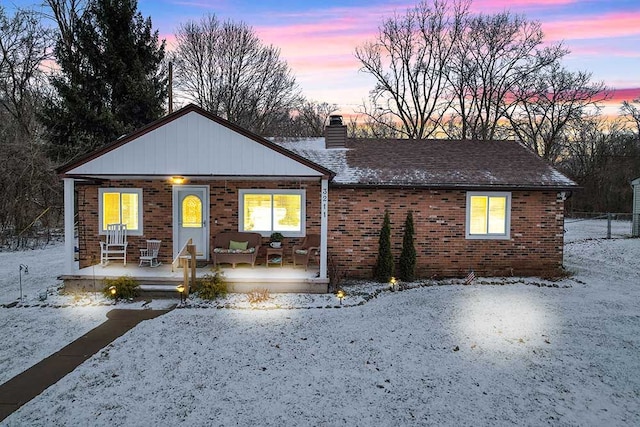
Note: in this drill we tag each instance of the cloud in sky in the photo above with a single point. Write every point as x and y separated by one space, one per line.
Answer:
490 6
624 94
318 37
327 41
611 25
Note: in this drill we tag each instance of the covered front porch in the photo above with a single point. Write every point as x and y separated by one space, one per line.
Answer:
243 278
192 176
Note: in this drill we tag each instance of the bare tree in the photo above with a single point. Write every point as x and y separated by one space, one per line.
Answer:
548 101
28 183
67 14
225 68
312 117
373 122
409 61
585 141
24 45
603 158
493 54
632 114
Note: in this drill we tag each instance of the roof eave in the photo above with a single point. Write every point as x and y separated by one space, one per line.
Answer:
456 186
106 177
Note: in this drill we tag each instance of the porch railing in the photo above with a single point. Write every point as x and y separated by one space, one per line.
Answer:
186 258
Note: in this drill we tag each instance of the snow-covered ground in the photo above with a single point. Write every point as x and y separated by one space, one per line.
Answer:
503 351
583 229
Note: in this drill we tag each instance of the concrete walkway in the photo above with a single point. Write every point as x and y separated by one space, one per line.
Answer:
29 384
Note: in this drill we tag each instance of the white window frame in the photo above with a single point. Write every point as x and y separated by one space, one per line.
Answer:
267 233
137 191
489 236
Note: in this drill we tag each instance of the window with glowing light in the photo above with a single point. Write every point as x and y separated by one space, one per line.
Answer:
267 211
488 215
120 206
192 212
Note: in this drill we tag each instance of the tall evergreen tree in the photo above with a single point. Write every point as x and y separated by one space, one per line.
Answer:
384 265
110 80
407 266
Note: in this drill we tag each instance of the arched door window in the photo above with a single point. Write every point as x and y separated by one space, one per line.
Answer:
192 212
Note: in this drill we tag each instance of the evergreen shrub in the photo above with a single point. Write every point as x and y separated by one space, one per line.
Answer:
407 265
126 288
384 265
212 286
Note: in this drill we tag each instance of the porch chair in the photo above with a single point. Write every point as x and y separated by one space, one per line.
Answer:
309 248
150 253
115 244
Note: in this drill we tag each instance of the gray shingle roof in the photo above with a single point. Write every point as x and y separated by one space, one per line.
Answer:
433 163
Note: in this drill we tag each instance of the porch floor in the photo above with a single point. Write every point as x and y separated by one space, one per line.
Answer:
243 278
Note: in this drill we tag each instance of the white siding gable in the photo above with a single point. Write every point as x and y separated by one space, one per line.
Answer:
193 145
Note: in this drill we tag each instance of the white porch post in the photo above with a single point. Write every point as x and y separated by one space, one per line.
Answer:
324 212
69 236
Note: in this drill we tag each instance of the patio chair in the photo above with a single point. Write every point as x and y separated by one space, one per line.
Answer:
309 248
115 244
150 253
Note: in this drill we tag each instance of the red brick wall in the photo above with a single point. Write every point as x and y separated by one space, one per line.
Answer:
355 219
158 213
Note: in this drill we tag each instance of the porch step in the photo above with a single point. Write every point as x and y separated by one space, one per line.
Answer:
241 286
159 290
153 288
162 281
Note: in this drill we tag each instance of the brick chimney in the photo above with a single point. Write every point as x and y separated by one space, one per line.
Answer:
335 135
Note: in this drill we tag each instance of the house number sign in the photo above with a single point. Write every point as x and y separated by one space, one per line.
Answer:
324 200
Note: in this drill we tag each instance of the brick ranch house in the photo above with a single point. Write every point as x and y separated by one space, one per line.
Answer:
494 207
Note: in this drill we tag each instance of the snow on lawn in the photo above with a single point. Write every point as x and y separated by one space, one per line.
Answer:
504 351
583 229
31 333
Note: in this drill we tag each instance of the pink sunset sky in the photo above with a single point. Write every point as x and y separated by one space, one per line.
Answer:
318 38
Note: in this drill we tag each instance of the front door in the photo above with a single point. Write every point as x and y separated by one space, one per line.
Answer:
191 218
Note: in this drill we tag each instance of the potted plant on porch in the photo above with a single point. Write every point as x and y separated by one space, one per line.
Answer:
276 239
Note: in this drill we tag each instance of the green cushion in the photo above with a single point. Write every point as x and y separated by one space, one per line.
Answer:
238 245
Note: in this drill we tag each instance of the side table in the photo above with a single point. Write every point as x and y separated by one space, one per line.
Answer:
275 256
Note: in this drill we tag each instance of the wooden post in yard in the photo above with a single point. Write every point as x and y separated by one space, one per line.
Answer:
185 273
192 259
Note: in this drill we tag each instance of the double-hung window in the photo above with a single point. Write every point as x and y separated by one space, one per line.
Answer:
488 215
121 206
268 211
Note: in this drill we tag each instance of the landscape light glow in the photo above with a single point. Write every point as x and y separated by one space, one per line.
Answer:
180 288
494 322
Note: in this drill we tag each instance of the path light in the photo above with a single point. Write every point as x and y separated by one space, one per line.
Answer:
113 291
24 267
393 284
180 289
340 295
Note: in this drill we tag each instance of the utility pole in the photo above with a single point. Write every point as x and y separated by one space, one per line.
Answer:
170 87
